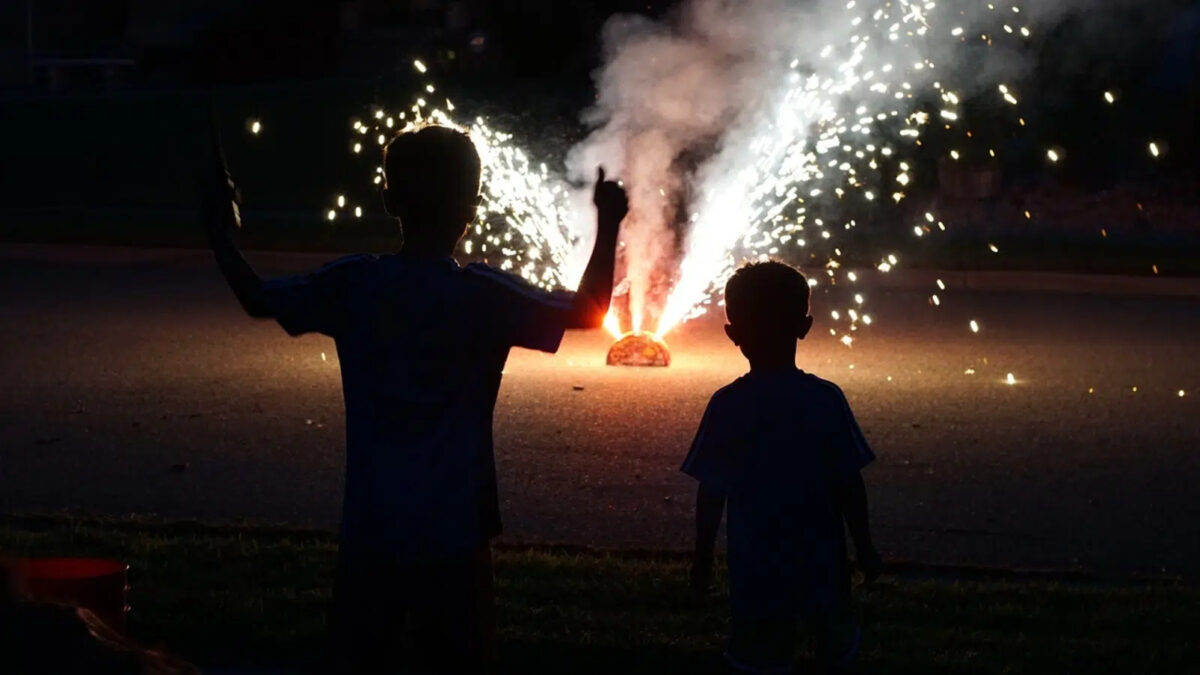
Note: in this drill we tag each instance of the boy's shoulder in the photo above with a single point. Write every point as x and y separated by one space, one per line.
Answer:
347 267
824 387
351 261
751 389
485 272
496 279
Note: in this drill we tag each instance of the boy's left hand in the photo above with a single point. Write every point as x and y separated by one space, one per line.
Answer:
870 564
222 195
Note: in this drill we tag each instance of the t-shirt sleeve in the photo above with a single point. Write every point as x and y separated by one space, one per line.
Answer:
521 314
314 302
708 461
851 451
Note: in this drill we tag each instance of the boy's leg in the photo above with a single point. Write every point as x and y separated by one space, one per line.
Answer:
838 636
762 645
448 626
369 614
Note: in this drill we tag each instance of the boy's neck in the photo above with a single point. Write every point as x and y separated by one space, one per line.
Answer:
773 363
419 251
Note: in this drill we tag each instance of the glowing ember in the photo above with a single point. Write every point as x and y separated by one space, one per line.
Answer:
639 349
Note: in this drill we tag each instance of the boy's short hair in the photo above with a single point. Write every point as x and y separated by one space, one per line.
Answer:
765 294
432 172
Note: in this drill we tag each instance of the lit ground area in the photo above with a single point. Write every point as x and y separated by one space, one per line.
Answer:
120 370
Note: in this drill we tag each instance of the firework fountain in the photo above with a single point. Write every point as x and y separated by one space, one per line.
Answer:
743 131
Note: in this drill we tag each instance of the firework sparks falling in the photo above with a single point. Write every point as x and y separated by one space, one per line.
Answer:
523 223
839 128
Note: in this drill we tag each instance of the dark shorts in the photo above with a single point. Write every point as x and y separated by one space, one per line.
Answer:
767 645
428 617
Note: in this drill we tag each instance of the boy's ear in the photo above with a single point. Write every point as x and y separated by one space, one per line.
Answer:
468 212
805 325
732 333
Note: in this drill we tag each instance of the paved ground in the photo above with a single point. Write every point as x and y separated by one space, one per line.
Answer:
119 366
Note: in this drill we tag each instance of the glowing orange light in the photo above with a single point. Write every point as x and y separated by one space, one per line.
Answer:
639 349
613 325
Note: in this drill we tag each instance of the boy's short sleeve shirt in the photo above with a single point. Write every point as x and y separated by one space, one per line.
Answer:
316 302
422 345
521 314
776 444
708 461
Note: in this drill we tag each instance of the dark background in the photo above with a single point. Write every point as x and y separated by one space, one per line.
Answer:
105 109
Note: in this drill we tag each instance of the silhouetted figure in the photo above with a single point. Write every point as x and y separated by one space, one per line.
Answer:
783 449
422 343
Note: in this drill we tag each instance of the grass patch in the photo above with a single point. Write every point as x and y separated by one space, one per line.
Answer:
230 595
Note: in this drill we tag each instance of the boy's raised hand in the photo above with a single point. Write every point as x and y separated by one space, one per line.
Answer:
870 564
611 201
222 195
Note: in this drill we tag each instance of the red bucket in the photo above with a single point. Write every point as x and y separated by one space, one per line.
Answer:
95 584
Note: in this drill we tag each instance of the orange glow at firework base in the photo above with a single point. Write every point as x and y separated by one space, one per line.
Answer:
639 349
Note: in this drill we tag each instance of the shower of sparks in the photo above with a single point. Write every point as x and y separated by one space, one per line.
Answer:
255 127
843 117
1010 380
524 223
1154 151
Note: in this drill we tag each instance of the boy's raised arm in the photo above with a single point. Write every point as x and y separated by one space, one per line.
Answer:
595 289
220 215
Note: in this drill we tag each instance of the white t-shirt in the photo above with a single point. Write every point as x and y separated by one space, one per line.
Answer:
776 444
422 345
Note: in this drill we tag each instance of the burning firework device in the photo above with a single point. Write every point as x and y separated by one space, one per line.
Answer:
639 349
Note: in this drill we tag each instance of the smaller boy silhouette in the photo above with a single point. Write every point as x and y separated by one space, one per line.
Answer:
783 449
422 344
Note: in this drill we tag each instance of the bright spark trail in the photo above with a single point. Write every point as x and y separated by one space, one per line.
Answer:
840 132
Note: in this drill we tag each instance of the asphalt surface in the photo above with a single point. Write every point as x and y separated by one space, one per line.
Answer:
133 384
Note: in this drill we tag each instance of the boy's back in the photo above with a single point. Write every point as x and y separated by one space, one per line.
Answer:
776 444
422 344
781 448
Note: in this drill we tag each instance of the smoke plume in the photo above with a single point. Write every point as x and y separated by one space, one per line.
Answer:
700 113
